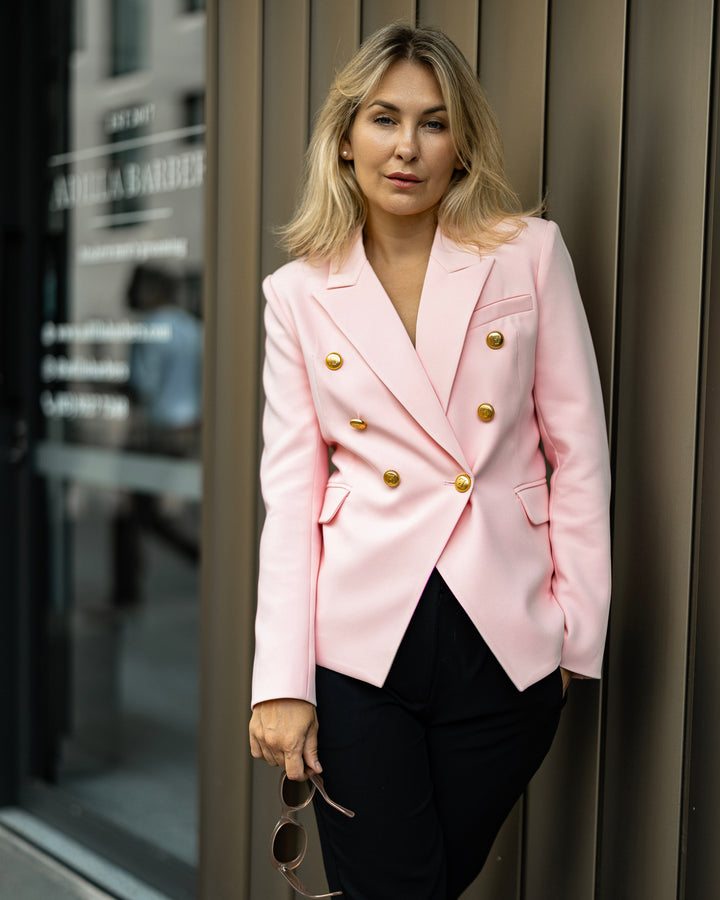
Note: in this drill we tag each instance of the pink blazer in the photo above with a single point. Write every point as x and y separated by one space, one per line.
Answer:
436 462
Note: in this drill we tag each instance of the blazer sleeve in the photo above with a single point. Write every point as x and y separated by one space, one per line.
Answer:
569 408
293 473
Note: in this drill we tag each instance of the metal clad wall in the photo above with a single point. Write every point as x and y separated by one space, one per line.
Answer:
657 394
583 147
286 97
513 61
606 105
376 13
702 800
334 37
582 180
232 360
459 20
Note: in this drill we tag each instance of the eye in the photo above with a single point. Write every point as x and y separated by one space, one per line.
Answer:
383 120
435 125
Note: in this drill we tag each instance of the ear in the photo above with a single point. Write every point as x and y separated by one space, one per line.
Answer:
346 149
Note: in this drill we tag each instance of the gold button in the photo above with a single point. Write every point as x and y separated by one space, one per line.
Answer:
486 412
333 360
462 483
495 340
391 478
358 424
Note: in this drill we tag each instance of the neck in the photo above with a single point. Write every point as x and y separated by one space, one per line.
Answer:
394 238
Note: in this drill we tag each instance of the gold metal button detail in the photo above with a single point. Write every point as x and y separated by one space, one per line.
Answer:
486 411
391 478
495 340
358 424
333 360
462 483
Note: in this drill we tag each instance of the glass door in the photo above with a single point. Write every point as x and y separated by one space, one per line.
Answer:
119 395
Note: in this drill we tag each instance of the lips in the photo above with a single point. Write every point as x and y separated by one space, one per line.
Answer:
403 179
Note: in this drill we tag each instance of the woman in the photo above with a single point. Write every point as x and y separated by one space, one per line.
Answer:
423 608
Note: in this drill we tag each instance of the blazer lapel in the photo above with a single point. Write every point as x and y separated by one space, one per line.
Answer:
453 283
358 304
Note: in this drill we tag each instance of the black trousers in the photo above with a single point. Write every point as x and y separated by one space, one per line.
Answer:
431 763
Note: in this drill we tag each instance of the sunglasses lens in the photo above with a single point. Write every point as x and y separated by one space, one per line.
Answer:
289 843
296 794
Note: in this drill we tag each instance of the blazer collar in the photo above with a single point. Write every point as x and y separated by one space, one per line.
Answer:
454 281
346 272
420 377
451 256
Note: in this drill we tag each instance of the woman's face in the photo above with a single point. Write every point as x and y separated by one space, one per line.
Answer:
401 145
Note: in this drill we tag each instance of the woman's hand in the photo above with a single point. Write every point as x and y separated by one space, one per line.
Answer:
566 679
284 732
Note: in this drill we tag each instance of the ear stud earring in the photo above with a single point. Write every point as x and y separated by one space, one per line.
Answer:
344 153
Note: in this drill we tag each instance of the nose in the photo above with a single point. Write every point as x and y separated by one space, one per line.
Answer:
407 145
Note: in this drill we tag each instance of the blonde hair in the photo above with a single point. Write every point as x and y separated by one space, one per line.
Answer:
479 208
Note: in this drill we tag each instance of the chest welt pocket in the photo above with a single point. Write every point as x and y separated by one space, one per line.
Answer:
488 312
535 501
335 495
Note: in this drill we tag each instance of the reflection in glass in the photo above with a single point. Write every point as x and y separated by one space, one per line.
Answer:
119 391
129 752
165 375
127 132
129 30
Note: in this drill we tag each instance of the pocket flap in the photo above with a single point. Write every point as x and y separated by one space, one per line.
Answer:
496 309
335 496
535 500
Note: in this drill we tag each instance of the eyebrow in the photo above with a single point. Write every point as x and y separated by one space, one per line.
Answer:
426 112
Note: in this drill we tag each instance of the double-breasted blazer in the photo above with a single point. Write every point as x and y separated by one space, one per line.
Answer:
438 460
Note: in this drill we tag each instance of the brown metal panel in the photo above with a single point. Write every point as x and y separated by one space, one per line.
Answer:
561 806
229 490
513 46
661 290
583 173
334 37
702 804
286 70
285 119
376 13
459 20
583 147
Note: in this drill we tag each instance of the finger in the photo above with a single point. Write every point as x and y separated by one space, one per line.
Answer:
260 750
255 748
294 765
271 758
310 752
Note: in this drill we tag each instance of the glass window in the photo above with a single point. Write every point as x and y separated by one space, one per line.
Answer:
119 389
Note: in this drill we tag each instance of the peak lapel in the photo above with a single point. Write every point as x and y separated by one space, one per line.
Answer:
358 304
454 281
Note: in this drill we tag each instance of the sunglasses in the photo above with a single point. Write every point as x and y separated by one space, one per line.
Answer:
290 833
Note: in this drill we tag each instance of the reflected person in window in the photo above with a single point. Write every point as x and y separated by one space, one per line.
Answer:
423 607
165 375
165 384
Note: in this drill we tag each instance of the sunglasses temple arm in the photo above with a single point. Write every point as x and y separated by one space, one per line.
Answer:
318 782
